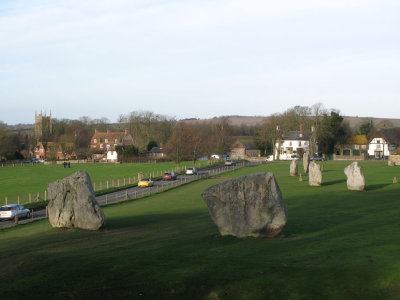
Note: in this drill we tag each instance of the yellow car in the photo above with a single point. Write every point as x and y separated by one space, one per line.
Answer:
145 183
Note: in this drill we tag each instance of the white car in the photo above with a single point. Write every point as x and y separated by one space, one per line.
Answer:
191 171
8 212
214 156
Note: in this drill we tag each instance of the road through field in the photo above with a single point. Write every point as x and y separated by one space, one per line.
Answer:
136 192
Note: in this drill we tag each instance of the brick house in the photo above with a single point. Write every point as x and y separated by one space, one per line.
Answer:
105 140
243 149
356 148
52 150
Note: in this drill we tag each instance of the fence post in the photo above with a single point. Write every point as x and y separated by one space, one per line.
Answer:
118 182
113 183
37 197
5 200
135 194
94 186
30 198
16 218
106 198
129 180
33 214
126 195
47 211
107 184
124 181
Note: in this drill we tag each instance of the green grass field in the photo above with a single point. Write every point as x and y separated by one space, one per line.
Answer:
24 179
337 244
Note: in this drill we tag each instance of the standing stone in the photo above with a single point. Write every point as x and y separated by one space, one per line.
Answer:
306 162
293 167
315 176
248 206
73 203
395 179
300 178
355 178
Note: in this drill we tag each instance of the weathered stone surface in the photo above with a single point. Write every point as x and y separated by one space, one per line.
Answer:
247 206
395 179
315 176
355 178
300 178
73 203
394 160
306 162
293 168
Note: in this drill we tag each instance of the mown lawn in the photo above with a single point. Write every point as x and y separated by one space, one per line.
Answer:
337 244
24 179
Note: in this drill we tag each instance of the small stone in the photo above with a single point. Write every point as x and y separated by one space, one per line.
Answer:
300 178
315 176
306 162
293 168
355 178
395 179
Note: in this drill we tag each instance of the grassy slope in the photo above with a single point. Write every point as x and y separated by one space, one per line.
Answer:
25 179
337 244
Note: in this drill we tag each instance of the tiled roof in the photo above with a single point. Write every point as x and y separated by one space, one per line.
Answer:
391 135
295 136
359 139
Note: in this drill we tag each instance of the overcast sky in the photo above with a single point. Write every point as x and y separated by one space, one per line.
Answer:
197 58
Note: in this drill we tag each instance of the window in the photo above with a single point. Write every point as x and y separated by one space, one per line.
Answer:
101 140
106 140
116 140
95 141
356 147
363 146
101 146
378 146
356 152
346 152
378 141
290 143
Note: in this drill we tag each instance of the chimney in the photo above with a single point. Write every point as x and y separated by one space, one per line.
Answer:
126 131
95 130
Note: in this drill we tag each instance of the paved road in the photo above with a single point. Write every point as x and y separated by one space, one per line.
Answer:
134 192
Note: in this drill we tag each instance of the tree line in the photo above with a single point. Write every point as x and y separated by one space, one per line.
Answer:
183 140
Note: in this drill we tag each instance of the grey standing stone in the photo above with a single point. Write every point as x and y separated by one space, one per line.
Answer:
355 178
293 167
73 203
315 176
248 206
306 162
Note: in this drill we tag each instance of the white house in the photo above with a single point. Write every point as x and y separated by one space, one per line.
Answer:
385 142
291 144
112 155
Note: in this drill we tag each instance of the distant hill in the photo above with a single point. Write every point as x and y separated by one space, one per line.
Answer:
354 122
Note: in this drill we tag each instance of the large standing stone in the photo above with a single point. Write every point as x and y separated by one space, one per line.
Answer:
355 178
293 167
73 203
247 206
306 162
315 176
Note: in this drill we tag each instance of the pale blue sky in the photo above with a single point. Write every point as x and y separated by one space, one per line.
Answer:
103 58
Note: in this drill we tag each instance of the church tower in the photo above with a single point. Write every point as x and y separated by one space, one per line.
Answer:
43 125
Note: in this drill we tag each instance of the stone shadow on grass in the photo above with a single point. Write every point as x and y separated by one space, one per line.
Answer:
334 182
373 187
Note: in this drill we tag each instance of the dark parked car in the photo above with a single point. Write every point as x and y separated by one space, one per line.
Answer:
316 157
169 176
